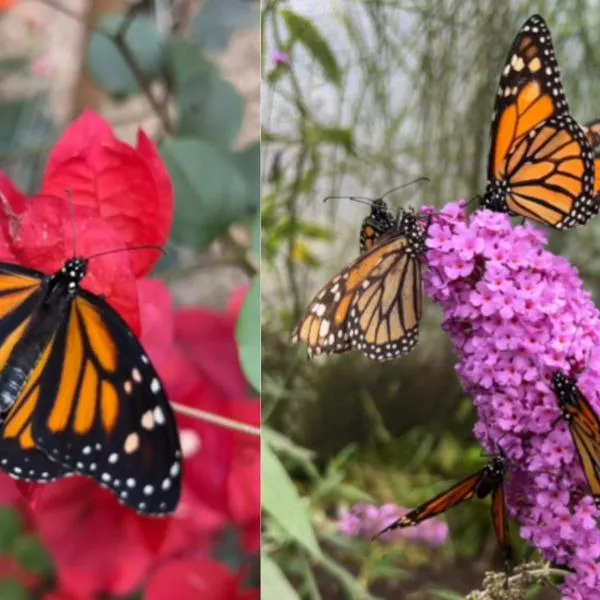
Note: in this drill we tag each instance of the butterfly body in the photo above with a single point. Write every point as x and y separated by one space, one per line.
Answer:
378 222
375 303
79 394
541 162
584 426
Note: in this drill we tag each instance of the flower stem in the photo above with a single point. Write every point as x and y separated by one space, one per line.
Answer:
209 417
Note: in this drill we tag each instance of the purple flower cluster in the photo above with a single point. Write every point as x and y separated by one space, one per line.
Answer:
516 313
365 520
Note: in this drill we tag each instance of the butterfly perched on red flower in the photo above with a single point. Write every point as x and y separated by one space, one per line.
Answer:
78 393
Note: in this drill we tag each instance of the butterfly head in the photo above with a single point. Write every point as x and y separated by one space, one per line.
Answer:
409 225
74 270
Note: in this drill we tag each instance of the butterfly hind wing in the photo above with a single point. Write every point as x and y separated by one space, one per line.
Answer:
110 419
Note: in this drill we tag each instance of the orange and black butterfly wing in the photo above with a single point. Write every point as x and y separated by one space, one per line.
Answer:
95 404
457 494
529 92
500 521
584 425
541 165
374 304
385 314
21 291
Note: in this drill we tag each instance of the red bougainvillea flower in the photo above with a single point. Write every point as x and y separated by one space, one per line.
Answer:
196 579
101 547
123 198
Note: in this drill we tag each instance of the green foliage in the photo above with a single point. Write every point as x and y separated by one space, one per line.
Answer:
211 191
109 65
306 33
11 589
248 335
209 107
273 583
218 19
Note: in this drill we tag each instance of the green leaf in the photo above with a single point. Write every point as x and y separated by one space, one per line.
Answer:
11 589
446 594
11 525
281 500
29 551
331 135
256 234
248 335
282 443
210 191
209 106
305 32
106 60
273 583
215 23
248 162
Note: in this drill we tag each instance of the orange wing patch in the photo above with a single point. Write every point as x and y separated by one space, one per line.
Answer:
102 343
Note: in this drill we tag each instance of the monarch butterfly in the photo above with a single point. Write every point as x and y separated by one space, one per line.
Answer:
541 164
375 303
486 481
380 220
584 425
78 394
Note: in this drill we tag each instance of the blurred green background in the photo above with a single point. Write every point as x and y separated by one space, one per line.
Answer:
376 93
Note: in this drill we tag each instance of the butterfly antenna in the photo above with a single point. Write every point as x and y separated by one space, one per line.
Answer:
369 201
404 185
130 249
69 193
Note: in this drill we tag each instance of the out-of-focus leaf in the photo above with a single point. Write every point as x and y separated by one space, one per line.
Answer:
11 525
303 255
284 444
256 235
446 594
11 589
274 585
248 335
210 191
209 106
218 19
305 32
29 551
107 63
281 500
248 162
331 135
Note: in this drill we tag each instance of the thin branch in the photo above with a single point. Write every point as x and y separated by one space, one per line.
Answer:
209 417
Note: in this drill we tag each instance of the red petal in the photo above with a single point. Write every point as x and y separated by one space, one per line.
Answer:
207 470
117 181
94 541
244 485
45 241
193 579
208 339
